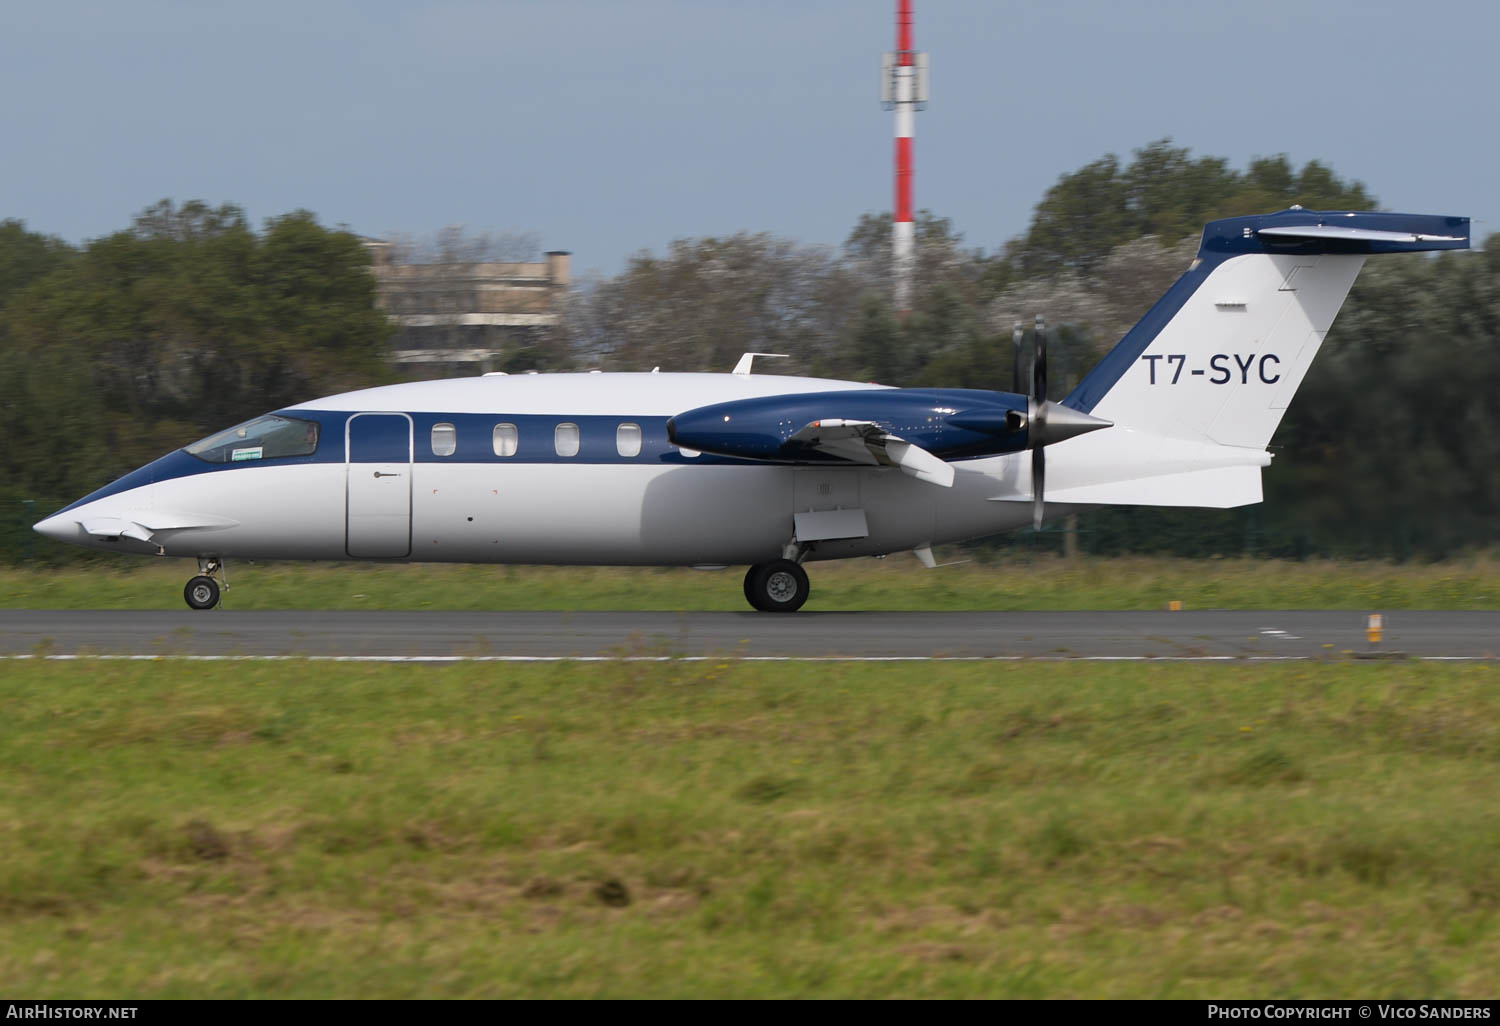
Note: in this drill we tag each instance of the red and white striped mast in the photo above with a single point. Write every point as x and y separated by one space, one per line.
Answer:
904 88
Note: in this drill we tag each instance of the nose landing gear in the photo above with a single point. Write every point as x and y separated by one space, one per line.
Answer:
203 592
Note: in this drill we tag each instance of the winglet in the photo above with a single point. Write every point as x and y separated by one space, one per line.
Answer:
919 463
864 441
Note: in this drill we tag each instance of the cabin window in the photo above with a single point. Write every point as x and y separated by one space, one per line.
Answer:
628 439
264 438
444 439
565 439
506 440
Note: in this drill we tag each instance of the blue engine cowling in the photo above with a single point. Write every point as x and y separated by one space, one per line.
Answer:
950 423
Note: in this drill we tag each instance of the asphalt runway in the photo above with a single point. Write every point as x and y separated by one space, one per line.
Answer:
430 635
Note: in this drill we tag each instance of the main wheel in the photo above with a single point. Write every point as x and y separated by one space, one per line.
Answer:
202 592
777 587
750 586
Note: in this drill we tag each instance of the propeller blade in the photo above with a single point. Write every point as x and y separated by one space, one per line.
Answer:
1039 423
1017 336
1039 366
1038 481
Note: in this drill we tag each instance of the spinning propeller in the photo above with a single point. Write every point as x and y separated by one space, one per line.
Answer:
1038 423
1048 422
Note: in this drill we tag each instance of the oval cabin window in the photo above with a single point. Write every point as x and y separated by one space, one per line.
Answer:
565 439
444 439
506 440
628 439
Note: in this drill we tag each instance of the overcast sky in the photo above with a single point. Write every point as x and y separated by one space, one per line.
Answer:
609 127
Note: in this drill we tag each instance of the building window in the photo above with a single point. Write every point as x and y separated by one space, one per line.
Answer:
444 439
565 439
628 439
506 440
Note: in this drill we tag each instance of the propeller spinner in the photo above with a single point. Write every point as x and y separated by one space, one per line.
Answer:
1049 422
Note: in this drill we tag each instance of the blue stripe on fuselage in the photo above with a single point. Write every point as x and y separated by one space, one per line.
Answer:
475 445
182 464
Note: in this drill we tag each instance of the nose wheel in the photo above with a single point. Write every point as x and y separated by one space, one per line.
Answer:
203 592
777 587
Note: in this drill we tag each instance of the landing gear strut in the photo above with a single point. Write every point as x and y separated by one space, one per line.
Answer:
776 587
203 592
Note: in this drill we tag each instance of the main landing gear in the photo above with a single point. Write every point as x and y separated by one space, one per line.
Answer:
203 592
776 587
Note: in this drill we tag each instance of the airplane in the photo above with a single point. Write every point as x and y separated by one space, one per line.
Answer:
773 472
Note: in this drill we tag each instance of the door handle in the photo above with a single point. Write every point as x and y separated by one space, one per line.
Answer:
393 474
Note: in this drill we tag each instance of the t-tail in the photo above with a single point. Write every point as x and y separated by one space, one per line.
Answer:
1196 389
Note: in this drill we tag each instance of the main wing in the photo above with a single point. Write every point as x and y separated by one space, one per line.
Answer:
864 441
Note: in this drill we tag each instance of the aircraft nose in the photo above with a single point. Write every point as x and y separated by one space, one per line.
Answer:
59 528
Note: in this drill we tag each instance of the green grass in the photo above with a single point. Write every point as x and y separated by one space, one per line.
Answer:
732 829
896 583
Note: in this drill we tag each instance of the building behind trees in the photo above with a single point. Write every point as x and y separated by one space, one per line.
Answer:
464 316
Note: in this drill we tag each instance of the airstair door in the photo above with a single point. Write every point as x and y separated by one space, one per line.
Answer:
378 452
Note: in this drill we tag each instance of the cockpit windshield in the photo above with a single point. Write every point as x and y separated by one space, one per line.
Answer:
264 438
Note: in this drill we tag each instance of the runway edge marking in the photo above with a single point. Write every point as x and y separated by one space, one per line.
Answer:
185 657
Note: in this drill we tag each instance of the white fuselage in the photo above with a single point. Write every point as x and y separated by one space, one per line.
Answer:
659 507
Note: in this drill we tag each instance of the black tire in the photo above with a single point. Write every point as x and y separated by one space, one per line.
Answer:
201 592
750 587
777 587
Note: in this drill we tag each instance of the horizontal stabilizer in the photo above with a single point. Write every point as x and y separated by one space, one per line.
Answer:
1334 231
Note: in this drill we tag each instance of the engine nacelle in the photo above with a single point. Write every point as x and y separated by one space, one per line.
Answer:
950 423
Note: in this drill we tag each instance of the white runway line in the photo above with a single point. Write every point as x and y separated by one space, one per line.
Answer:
707 659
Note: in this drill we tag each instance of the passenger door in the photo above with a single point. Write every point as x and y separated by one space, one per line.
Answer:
378 456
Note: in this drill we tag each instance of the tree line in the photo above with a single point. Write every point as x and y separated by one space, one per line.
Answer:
118 350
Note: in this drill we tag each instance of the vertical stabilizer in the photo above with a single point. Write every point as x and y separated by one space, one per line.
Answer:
1219 357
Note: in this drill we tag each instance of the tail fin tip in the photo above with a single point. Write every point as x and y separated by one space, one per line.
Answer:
1219 356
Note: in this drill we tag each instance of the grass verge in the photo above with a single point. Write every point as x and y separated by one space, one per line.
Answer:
897 583
741 830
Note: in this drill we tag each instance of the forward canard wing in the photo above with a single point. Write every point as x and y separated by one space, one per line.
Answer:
115 528
143 525
864 441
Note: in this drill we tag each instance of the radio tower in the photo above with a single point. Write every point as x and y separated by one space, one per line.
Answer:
903 87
